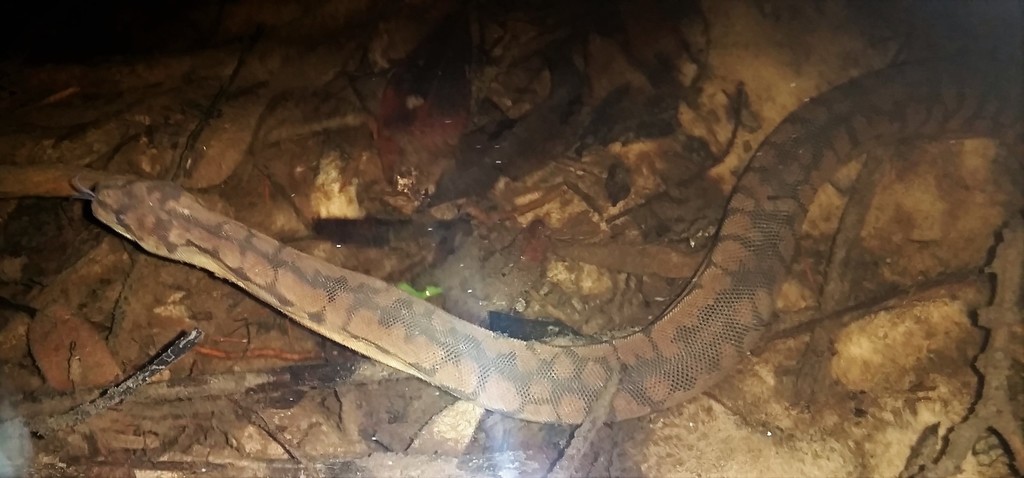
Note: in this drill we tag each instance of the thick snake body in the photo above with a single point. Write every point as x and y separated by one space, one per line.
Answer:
700 337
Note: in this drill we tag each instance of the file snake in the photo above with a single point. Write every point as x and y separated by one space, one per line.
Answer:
698 339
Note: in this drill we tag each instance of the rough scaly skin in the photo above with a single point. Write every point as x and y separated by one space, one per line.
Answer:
699 339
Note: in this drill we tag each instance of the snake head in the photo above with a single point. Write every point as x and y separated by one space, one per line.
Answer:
146 212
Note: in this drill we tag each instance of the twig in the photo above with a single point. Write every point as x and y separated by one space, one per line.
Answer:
992 409
665 261
121 391
227 384
377 464
972 290
258 352
812 377
49 180
584 436
295 453
185 158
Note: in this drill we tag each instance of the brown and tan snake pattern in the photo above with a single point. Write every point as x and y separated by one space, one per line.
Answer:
700 338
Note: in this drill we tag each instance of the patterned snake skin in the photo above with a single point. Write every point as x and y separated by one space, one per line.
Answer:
699 338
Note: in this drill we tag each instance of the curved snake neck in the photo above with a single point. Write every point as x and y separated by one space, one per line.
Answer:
700 338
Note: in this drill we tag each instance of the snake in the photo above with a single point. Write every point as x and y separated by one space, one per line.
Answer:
701 337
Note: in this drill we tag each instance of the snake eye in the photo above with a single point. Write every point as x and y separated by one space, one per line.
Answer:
119 216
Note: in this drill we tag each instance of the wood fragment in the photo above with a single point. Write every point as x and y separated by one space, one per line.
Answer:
813 377
45 425
52 180
665 261
971 289
993 409
570 462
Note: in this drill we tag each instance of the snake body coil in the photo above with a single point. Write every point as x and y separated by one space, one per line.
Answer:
699 339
